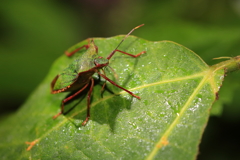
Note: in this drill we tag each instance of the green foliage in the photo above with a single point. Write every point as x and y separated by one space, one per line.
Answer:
177 89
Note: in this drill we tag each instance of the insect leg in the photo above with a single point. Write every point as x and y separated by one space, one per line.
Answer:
112 53
76 50
132 55
104 84
88 102
69 98
53 83
102 75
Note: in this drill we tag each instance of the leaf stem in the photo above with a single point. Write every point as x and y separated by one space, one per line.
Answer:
230 65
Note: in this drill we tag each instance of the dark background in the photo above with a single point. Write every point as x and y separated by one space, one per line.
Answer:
35 33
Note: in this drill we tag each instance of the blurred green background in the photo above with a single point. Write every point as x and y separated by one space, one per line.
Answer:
35 33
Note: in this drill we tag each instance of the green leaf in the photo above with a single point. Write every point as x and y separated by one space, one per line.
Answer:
177 90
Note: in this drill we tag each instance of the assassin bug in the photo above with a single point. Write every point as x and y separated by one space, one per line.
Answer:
78 75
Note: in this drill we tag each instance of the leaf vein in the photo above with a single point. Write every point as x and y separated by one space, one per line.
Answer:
163 139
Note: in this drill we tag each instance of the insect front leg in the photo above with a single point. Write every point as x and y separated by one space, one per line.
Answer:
88 102
109 80
104 84
116 50
132 55
69 98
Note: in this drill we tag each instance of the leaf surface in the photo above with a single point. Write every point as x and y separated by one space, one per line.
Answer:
177 90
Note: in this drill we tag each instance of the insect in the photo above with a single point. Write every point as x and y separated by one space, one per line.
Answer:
78 75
